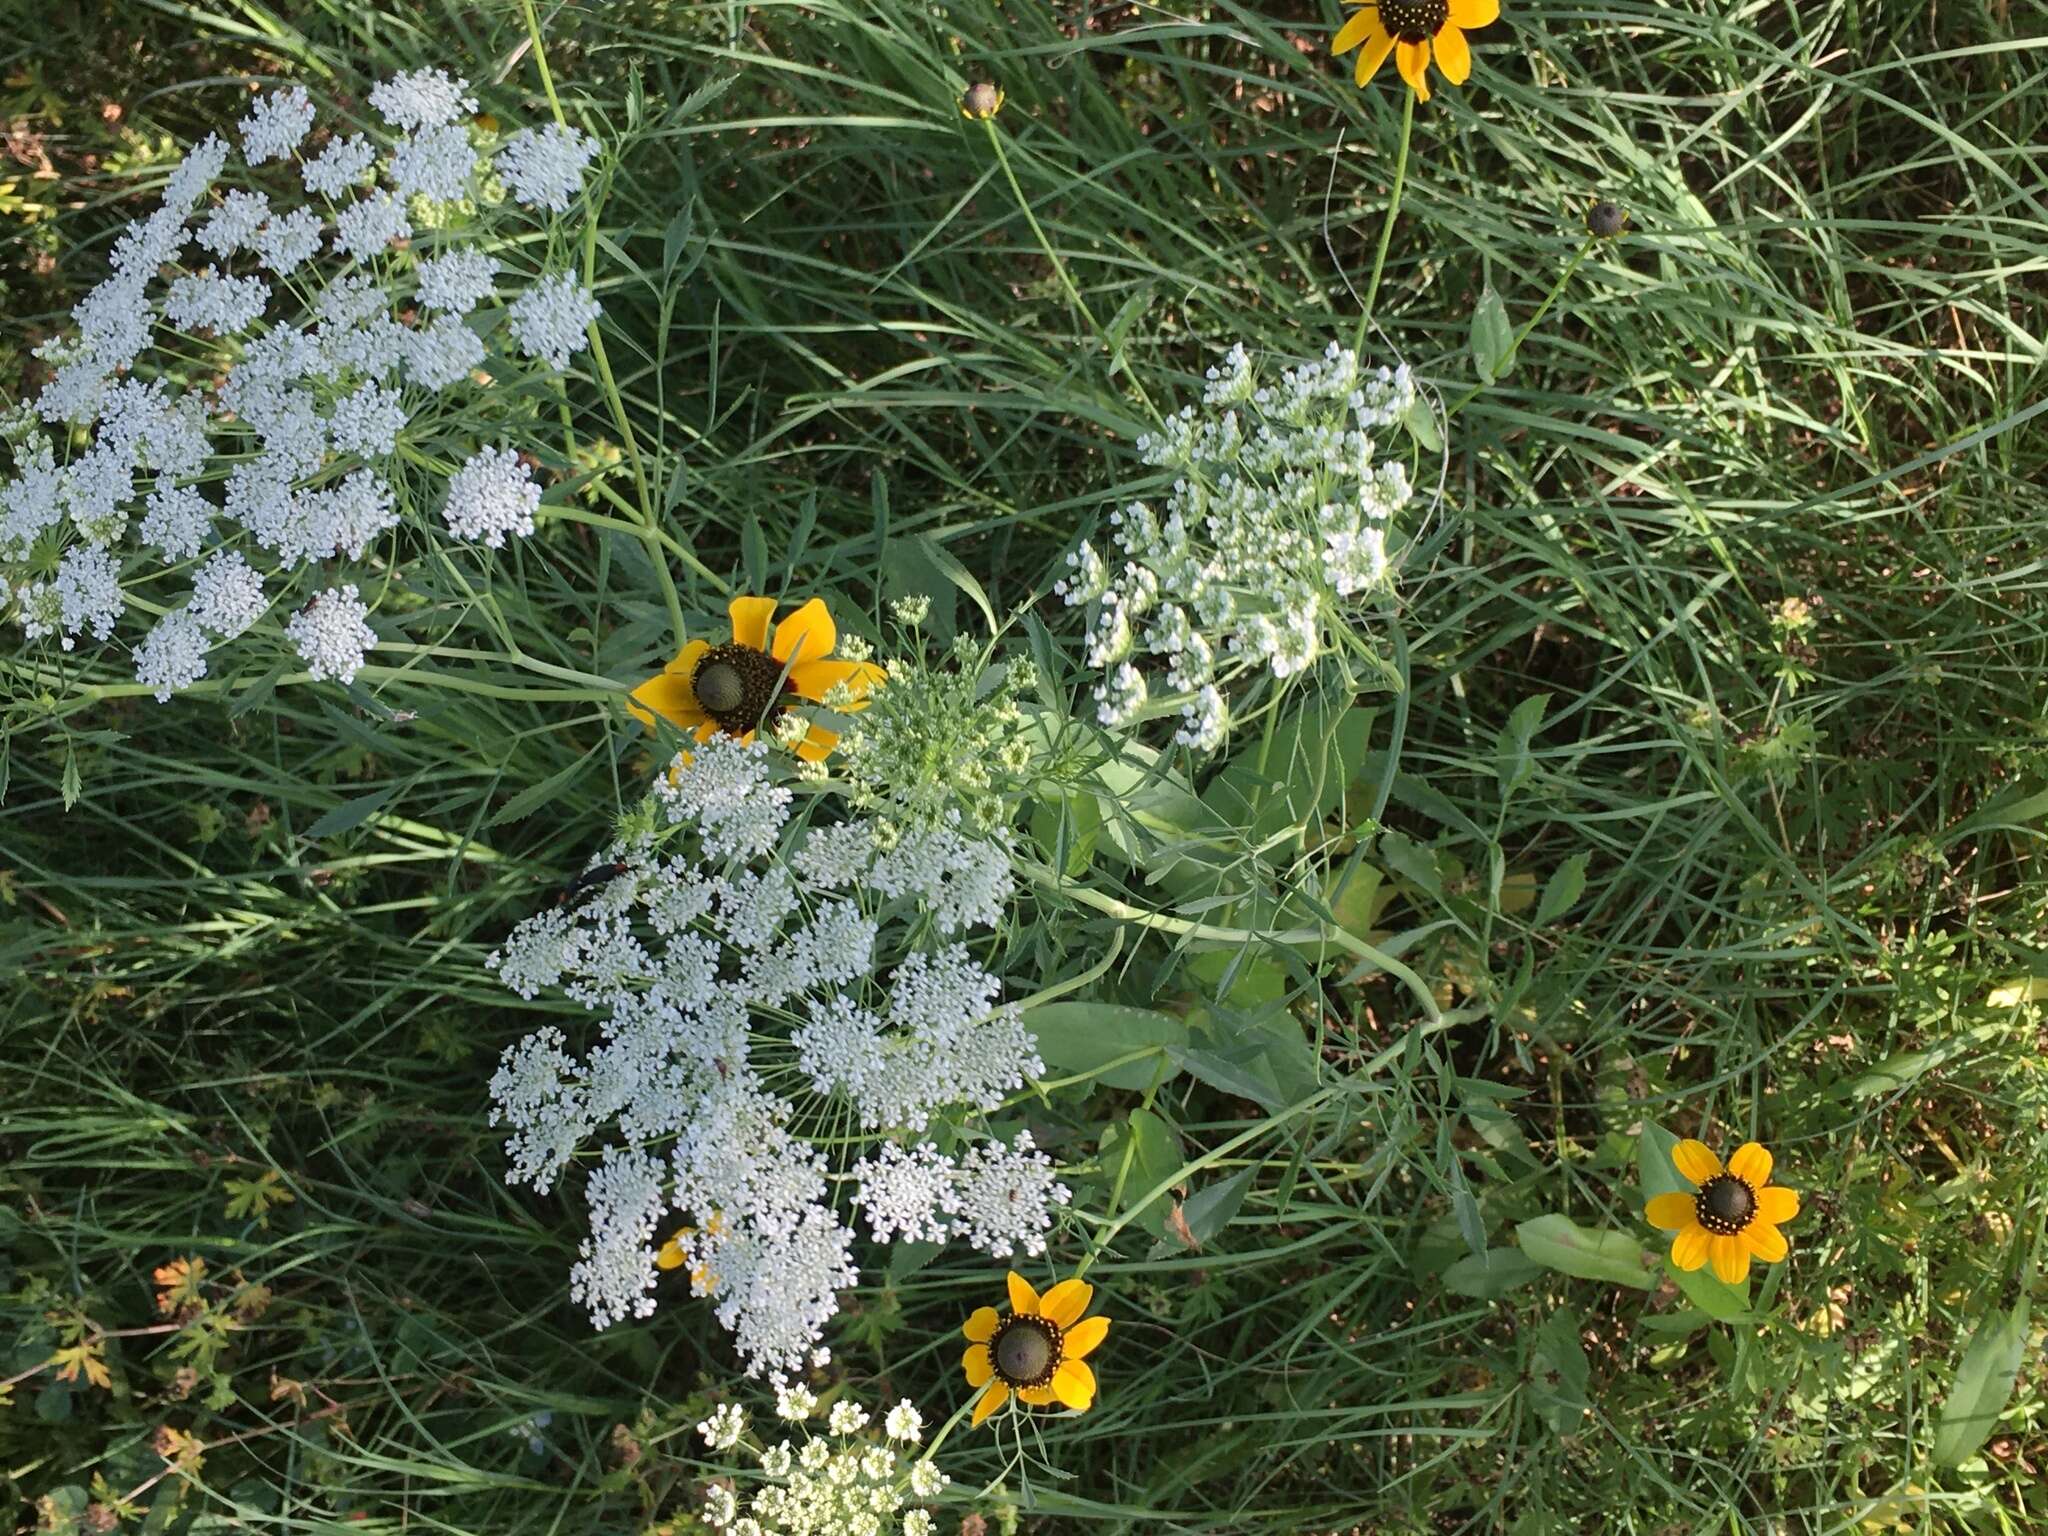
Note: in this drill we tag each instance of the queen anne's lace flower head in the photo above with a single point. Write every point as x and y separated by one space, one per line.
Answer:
344 341
739 1002
332 633
493 495
1279 517
544 167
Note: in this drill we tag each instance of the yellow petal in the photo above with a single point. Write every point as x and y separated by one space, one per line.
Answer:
817 744
1751 1164
1074 1384
1731 1258
806 635
814 679
1082 1338
1777 1204
685 663
1412 59
1689 1248
1354 31
1065 1302
1671 1212
993 1398
977 1364
1765 1241
1037 1397
981 1327
1471 14
1377 47
1452 56
670 1255
750 616
1693 1161
668 696
1023 1299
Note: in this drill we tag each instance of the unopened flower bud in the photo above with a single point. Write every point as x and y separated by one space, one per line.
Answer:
1605 220
982 102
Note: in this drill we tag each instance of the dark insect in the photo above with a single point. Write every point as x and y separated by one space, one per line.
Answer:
596 875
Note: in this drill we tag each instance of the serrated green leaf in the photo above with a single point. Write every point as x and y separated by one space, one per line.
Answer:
1561 892
1512 761
1209 1209
350 814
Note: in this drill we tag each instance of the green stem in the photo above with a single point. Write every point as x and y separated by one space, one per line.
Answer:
1060 267
1321 934
1379 260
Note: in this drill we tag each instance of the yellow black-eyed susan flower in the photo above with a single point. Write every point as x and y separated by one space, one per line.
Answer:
1036 1350
748 681
1411 30
1732 1217
673 1254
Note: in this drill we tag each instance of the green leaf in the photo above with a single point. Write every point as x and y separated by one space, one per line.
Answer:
1209 1209
1411 861
530 799
1493 339
1471 1225
1900 1070
1512 762
1421 424
1491 1274
1561 892
1558 1373
1983 1385
1557 1242
1245 1077
754 555
1154 1157
1083 1037
1293 777
350 814
949 566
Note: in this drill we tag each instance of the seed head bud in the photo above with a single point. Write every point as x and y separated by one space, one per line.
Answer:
982 102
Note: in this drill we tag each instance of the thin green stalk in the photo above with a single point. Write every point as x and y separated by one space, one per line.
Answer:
1379 260
1117 365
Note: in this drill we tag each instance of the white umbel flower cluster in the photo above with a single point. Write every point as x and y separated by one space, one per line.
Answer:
336 342
848 1482
756 981
1280 517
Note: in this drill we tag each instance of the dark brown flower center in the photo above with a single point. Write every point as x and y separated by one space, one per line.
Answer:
739 687
1724 1205
1025 1350
1413 21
